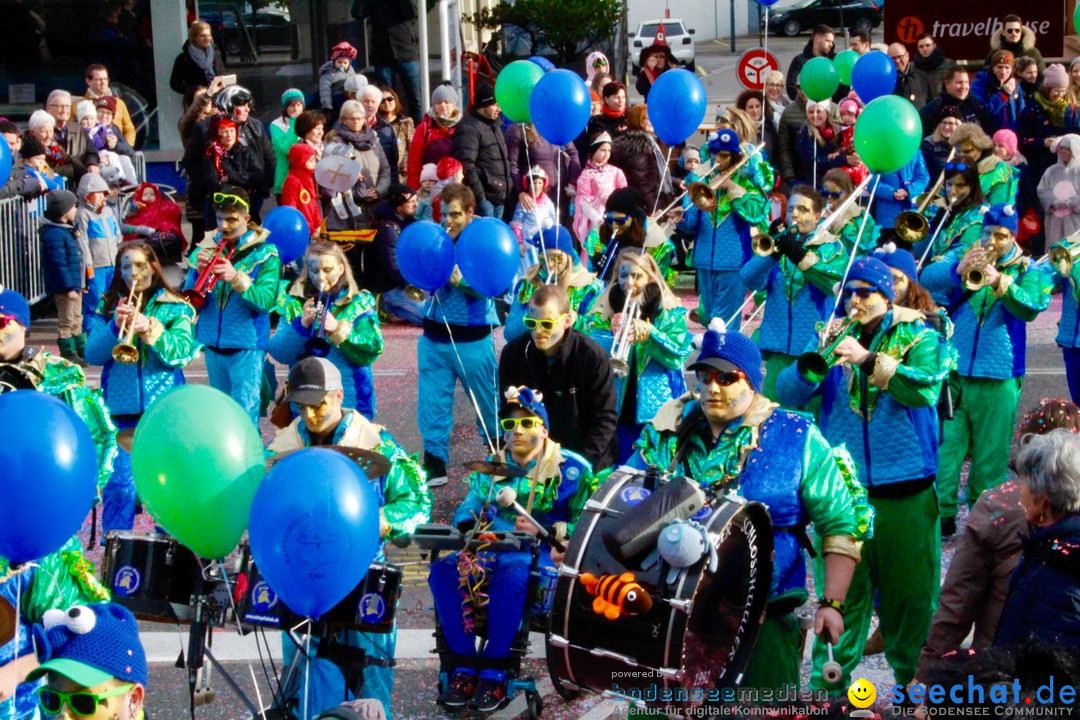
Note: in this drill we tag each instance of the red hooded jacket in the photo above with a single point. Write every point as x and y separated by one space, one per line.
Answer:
299 189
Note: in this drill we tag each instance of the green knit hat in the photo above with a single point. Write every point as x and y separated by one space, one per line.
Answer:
290 95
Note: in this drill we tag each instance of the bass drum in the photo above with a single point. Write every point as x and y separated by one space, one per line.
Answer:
699 631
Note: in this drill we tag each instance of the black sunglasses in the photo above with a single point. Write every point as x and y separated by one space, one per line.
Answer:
720 377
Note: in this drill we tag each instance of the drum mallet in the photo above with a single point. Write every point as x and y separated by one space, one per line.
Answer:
507 498
831 671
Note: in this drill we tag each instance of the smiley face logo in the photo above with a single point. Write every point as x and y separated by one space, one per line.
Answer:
862 693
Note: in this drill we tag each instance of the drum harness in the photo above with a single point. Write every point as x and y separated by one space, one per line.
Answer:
696 424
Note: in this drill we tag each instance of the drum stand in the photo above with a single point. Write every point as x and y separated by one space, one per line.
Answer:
200 638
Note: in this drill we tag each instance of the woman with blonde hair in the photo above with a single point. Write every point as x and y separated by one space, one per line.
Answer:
818 144
999 180
659 341
325 314
198 62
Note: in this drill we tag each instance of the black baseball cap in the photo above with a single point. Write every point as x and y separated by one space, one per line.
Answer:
310 380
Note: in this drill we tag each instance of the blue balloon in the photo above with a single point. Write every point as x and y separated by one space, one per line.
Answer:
488 256
545 64
873 76
677 105
5 163
425 255
560 106
766 3
314 529
289 232
48 480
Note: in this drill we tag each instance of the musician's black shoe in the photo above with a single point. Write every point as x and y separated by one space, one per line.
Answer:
435 469
948 527
461 688
489 696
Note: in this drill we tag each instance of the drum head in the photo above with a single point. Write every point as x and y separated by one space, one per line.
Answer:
701 627
373 464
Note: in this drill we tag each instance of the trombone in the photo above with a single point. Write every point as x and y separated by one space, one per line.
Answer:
765 244
1063 256
125 351
911 225
703 195
624 338
814 366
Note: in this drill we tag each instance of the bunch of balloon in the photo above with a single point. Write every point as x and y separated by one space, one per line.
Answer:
49 476
198 460
845 63
560 106
488 256
425 255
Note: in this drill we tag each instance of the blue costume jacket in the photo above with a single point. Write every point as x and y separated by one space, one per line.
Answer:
798 297
991 325
913 177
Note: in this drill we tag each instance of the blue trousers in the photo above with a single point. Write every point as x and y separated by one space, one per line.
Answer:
508 575
1072 371
118 497
326 683
440 368
400 306
95 288
239 375
721 293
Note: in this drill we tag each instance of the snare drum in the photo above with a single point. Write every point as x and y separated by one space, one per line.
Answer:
699 631
152 575
369 607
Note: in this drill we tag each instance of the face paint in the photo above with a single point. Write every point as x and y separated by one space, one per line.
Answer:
135 268
325 271
324 416
724 403
632 279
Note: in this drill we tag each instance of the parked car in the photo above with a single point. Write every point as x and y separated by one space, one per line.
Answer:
269 30
676 35
791 17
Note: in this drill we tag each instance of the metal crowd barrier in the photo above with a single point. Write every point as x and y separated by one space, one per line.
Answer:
20 250
140 166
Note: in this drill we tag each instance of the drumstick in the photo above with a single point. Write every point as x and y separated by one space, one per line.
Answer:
507 498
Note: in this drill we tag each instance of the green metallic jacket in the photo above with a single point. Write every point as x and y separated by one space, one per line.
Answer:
358 337
406 499
999 180
61 580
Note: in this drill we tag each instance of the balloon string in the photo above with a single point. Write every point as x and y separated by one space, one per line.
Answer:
18 627
764 101
464 382
660 188
815 158
307 668
532 191
855 250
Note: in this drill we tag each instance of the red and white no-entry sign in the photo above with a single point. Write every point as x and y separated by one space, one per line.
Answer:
754 66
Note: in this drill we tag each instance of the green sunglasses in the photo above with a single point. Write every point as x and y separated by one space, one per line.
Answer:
528 423
221 198
83 703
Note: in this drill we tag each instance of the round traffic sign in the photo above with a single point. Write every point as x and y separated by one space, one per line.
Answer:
754 66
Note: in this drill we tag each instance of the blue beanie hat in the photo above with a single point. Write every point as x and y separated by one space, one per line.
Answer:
898 259
725 141
524 398
14 304
730 351
90 644
873 272
556 238
291 95
1002 215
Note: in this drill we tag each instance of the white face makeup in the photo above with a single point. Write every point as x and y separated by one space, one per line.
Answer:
135 268
325 271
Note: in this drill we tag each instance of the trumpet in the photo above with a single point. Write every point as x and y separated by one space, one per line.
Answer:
204 284
1063 256
125 351
703 195
624 338
814 366
911 225
974 276
318 345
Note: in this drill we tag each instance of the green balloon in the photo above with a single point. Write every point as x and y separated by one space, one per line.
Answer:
819 79
888 133
514 87
1076 19
198 460
845 63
